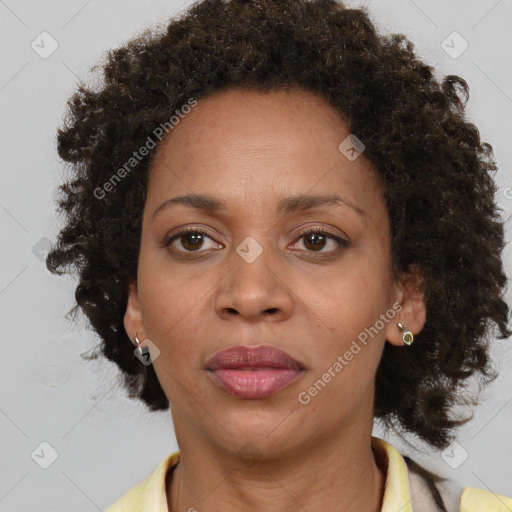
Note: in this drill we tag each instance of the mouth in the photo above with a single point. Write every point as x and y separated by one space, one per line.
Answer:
253 372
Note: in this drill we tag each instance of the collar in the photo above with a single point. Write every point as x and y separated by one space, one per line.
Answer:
397 491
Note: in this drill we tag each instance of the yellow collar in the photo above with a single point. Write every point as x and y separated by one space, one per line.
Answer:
150 494
397 492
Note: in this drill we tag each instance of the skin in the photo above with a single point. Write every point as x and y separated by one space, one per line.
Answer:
251 149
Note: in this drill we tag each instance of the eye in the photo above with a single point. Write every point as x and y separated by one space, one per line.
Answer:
316 239
191 239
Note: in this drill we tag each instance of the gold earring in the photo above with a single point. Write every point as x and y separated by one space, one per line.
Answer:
407 336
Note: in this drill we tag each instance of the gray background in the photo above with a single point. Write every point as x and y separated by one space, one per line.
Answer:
105 442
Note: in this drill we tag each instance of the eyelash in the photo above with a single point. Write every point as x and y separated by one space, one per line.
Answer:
343 243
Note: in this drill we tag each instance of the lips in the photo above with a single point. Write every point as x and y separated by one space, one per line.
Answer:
244 357
253 372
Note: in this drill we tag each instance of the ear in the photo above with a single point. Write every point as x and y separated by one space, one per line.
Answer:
413 314
133 316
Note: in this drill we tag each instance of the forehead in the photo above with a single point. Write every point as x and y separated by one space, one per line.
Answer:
250 144
250 117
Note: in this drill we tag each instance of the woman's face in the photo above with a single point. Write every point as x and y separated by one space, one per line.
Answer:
254 278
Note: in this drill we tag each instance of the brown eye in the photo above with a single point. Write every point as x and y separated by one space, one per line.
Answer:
317 239
191 240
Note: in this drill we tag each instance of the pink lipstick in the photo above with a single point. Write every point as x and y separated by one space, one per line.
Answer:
253 371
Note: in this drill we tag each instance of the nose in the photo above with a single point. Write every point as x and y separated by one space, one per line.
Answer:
254 291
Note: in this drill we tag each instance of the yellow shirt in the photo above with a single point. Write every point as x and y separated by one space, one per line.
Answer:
403 490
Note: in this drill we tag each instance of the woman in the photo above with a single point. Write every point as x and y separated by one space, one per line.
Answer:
291 225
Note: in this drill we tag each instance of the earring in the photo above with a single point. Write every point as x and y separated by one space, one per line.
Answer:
407 336
138 343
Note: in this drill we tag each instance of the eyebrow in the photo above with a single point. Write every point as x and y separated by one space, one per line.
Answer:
287 205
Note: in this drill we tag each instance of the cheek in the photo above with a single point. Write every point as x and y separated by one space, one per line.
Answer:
353 298
344 316
345 350
171 315
171 308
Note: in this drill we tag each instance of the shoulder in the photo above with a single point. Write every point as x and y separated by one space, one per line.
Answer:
476 500
149 495
455 498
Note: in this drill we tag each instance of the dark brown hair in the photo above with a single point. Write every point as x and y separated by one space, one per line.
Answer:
434 170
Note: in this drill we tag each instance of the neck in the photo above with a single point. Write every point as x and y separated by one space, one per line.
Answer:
341 474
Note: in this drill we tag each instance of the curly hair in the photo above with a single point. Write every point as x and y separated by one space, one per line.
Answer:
434 171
